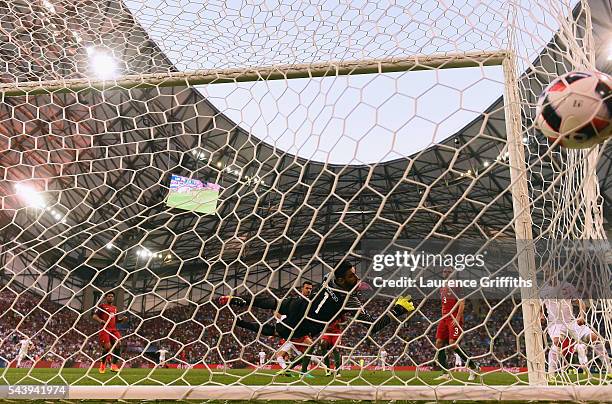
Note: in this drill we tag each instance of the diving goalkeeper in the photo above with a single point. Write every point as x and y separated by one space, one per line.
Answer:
309 317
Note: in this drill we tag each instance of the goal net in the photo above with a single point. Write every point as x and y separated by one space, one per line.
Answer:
186 184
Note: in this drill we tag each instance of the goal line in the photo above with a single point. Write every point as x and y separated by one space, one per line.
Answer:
505 393
249 74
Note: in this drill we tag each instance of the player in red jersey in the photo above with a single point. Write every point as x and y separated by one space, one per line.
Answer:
106 314
329 340
450 328
183 363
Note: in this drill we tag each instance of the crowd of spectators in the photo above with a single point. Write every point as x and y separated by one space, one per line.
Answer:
204 333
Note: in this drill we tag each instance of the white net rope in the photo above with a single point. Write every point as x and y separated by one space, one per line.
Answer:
172 190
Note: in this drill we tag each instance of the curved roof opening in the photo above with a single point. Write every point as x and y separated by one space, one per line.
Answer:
359 119
344 120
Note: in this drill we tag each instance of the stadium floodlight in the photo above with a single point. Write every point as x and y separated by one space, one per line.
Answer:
200 154
103 65
486 163
144 253
109 245
30 196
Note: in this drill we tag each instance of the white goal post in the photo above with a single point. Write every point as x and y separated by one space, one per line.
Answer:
533 332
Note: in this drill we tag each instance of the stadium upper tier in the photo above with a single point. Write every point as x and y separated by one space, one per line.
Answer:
107 156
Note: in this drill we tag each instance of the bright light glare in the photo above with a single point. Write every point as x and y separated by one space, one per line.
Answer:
109 245
143 252
103 65
30 196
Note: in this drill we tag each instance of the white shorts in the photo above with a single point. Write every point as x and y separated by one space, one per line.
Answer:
289 347
572 330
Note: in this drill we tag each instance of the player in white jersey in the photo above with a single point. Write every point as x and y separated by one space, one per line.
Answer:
383 359
458 361
162 357
558 298
286 346
262 359
24 346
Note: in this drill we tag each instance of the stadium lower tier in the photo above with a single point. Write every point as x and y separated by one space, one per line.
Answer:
200 333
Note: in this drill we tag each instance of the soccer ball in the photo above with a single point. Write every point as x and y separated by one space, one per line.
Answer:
577 107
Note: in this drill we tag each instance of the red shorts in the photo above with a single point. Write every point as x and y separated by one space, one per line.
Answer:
332 339
448 329
109 336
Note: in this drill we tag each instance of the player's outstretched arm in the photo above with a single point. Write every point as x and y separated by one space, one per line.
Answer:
261 302
403 305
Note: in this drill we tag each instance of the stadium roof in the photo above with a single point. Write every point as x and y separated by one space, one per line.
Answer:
106 159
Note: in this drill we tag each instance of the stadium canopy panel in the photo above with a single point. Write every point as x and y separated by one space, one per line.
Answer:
109 177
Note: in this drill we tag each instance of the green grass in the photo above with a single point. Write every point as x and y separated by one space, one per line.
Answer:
244 377
203 201
235 376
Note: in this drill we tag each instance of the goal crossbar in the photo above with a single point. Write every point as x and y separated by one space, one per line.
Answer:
249 74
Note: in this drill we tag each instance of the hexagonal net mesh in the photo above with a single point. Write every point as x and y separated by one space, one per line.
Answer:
208 163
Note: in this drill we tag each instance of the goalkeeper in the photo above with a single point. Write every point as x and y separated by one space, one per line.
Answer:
309 317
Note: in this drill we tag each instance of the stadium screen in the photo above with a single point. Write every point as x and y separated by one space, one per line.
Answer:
194 195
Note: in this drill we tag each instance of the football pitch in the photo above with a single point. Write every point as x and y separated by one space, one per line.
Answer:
203 201
199 377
